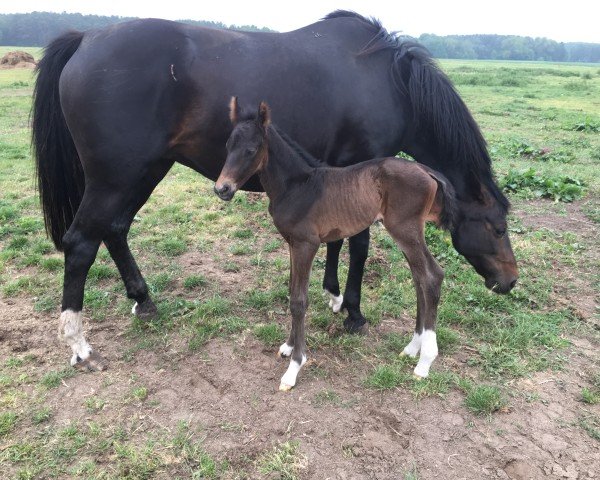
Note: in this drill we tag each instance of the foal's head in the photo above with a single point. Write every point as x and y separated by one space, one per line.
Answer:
247 150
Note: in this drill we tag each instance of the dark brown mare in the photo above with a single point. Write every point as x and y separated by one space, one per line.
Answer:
115 108
309 205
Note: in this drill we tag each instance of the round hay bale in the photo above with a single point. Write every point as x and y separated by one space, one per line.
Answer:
17 59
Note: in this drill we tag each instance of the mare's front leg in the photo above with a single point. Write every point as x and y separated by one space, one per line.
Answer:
427 277
331 284
359 250
301 258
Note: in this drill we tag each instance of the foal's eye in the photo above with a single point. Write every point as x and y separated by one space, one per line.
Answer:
250 152
501 231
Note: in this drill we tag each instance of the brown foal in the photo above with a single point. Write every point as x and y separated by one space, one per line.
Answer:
312 204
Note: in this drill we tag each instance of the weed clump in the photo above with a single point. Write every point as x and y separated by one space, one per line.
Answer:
530 183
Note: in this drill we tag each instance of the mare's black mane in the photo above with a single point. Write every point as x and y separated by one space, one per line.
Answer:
436 105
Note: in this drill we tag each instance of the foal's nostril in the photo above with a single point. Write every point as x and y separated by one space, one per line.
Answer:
222 190
513 283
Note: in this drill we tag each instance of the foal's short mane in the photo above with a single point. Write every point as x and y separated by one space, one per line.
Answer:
437 107
302 153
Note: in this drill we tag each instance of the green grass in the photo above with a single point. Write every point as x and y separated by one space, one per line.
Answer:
485 399
591 395
53 379
7 422
284 460
270 334
385 377
195 281
220 271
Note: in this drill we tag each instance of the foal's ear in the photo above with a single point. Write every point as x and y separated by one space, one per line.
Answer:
234 110
264 114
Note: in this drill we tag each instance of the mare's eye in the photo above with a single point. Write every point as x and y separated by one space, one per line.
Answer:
501 231
250 152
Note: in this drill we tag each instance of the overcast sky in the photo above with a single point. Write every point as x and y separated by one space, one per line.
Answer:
568 21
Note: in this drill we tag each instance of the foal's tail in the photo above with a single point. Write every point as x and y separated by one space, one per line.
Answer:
445 198
58 168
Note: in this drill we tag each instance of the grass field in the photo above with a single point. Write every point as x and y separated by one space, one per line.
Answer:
193 394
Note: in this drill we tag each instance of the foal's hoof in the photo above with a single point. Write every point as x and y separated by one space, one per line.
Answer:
145 310
285 351
284 387
418 378
94 363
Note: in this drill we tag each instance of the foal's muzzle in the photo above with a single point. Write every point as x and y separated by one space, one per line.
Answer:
225 191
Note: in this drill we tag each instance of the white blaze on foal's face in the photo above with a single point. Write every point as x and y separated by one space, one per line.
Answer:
70 330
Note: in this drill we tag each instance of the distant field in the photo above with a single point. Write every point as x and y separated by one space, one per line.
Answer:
516 387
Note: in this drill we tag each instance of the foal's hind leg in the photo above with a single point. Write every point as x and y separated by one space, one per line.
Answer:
301 258
427 277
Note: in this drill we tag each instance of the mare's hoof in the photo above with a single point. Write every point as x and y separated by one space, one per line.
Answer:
418 378
145 310
356 324
356 328
94 363
284 387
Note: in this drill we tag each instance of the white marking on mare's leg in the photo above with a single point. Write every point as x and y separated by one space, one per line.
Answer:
414 346
289 377
285 350
429 350
335 301
70 329
133 308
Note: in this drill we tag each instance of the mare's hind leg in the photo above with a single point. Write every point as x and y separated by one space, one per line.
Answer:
135 284
105 213
301 258
427 277
81 242
116 242
331 284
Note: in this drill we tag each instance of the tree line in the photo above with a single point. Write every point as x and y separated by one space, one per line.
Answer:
38 28
509 47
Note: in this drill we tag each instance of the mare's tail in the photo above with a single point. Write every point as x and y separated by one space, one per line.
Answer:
58 168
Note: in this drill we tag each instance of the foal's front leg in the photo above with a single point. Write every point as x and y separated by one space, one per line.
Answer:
301 258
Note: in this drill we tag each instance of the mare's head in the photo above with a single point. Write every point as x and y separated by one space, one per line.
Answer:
247 149
480 235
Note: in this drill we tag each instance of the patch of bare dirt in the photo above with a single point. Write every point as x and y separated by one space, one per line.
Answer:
229 390
580 296
17 59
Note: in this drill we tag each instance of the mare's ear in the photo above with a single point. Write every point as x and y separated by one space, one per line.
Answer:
264 114
234 110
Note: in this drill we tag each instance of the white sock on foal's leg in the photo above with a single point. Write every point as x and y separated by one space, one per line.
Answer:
70 330
289 377
412 349
429 350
